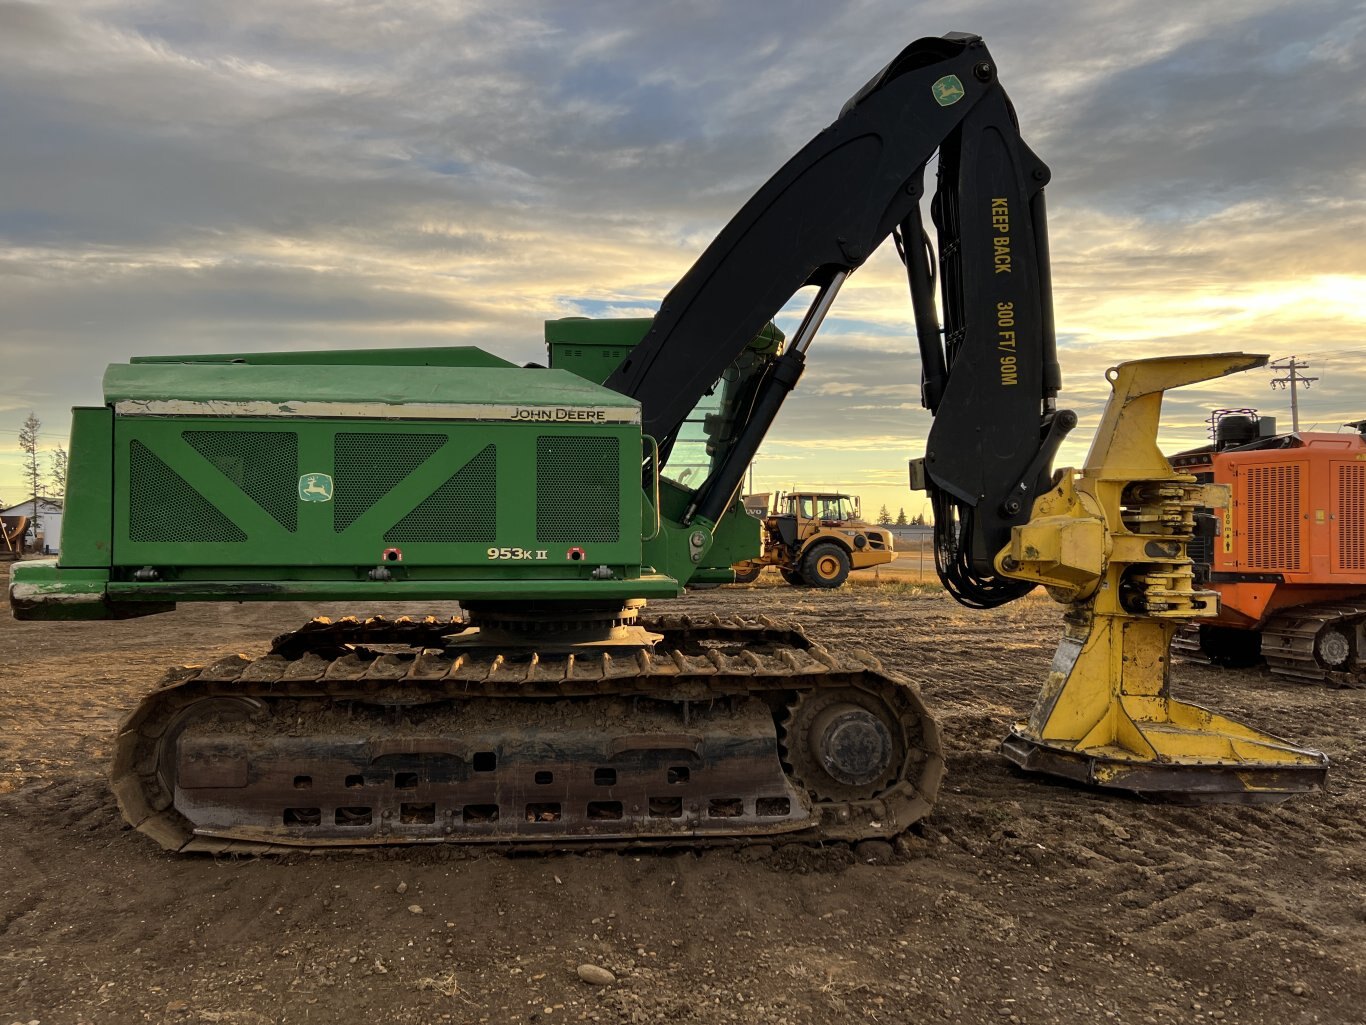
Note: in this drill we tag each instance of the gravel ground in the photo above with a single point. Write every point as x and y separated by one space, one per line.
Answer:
1016 901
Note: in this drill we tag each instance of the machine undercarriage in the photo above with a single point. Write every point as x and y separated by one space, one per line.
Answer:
375 732
1322 642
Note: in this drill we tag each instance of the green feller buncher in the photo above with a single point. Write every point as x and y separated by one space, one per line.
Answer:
553 502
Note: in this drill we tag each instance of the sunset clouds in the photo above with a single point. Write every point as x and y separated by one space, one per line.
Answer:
186 177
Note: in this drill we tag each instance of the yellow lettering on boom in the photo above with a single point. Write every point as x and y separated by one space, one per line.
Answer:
1006 343
1000 223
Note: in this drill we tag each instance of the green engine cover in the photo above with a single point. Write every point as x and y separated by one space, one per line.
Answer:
386 475
339 466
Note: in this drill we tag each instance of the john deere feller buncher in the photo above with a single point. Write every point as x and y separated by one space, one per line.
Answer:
552 505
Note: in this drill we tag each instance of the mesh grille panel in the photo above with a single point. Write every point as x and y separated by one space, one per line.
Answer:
366 467
1200 549
465 508
578 489
1273 517
263 464
162 506
1351 544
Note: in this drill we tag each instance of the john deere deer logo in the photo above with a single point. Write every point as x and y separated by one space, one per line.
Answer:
947 91
315 487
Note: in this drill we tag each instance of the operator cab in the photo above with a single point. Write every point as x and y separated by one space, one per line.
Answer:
828 508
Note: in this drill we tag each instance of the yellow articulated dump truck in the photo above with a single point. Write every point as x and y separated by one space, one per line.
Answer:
815 538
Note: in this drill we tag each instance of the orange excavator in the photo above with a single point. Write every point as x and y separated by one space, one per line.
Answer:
1288 554
12 530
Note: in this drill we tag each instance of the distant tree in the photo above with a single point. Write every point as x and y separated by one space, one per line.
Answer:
883 516
56 473
33 470
919 520
901 520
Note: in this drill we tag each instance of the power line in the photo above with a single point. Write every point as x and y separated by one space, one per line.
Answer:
1354 351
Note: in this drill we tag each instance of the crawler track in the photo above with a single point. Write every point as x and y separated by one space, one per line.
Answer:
1221 645
1318 643
1323 643
384 732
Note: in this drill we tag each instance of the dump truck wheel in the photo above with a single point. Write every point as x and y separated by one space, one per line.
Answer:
825 565
793 577
748 575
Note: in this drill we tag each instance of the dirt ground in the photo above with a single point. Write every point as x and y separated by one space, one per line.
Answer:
1017 901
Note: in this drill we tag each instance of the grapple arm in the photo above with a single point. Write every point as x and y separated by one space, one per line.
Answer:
991 381
1110 542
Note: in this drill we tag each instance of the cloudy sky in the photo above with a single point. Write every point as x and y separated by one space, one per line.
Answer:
198 177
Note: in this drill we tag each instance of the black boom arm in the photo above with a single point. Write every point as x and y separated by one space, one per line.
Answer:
992 376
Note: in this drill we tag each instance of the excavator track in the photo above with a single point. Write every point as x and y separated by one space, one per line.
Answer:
1186 643
383 732
1217 645
1324 643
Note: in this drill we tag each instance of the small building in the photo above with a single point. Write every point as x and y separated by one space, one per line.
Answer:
44 535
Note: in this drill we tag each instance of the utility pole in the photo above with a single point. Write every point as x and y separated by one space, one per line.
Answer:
1292 380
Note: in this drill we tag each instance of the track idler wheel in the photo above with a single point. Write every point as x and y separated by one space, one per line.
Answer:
220 709
1333 648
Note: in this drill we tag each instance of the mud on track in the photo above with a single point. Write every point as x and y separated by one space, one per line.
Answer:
1018 901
